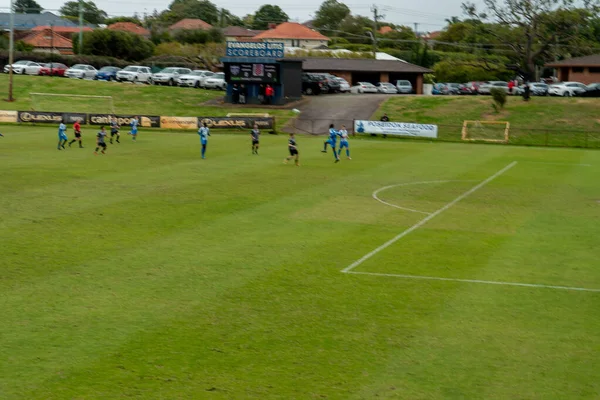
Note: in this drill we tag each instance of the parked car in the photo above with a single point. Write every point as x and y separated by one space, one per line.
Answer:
473 86
107 74
404 87
313 85
169 76
364 87
465 89
332 86
19 66
194 79
452 88
386 88
134 73
344 85
32 68
53 69
567 89
536 89
81 71
592 90
486 87
217 81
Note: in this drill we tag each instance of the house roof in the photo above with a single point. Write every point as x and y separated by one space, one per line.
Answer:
361 65
238 31
61 29
190 24
30 21
129 27
47 39
291 30
385 29
585 61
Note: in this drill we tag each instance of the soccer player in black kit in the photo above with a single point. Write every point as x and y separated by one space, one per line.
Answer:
293 150
255 135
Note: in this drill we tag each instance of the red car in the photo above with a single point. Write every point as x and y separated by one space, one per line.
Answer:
53 69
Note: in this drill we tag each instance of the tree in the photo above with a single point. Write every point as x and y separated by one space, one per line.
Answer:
532 29
330 15
355 28
268 14
402 37
200 9
91 13
226 18
27 7
114 20
123 45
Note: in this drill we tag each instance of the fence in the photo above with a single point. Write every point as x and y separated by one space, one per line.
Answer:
518 135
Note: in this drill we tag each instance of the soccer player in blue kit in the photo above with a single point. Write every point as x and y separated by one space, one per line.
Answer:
62 135
333 134
204 133
344 142
134 128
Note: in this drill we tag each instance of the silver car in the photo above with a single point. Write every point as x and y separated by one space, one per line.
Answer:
344 85
217 81
487 87
363 87
386 88
404 87
81 71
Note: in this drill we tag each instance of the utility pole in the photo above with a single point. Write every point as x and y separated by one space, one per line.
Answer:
51 49
80 25
417 29
376 16
11 50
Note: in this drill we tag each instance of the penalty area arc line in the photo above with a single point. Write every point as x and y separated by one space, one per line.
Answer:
438 278
427 218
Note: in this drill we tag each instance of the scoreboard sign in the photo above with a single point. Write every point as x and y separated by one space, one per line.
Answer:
255 49
247 72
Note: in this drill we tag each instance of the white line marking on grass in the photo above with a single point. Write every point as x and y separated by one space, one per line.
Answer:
427 218
559 163
436 278
375 193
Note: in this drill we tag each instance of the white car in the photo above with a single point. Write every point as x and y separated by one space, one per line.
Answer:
566 89
20 66
134 73
81 71
364 87
386 88
169 76
217 81
344 85
487 87
195 78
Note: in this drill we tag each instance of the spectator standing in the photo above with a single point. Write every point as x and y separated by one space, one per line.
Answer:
269 92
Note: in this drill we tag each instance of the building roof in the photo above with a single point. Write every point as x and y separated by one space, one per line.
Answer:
361 64
61 29
238 31
291 30
385 29
190 24
585 61
30 21
48 39
129 27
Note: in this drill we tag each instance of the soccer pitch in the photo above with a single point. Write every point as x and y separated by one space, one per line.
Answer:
413 271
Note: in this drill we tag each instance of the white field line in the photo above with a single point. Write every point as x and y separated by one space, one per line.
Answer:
375 193
436 278
427 218
559 163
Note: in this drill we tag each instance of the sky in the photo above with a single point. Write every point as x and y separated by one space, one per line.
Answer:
430 14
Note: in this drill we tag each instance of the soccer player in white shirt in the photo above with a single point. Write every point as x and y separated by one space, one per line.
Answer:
343 134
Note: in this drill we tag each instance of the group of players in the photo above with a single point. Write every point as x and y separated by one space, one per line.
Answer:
100 136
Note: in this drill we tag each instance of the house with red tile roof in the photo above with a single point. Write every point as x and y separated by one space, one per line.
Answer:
239 34
129 27
294 34
49 41
385 29
66 31
190 24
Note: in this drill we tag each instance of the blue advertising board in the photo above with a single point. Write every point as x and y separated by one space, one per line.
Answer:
255 49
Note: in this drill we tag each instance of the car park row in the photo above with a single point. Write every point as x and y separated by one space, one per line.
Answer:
312 83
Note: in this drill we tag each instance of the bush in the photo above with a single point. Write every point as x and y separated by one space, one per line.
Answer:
109 43
96 61
499 97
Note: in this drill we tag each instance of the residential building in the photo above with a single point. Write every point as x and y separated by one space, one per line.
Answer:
239 34
293 34
129 27
25 22
49 41
385 29
579 69
190 24
66 31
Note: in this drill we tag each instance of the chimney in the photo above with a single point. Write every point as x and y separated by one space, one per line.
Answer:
272 25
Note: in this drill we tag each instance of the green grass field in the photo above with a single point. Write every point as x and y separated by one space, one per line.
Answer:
543 121
149 273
